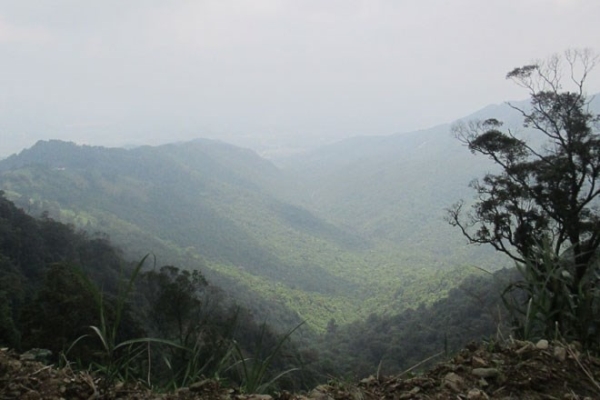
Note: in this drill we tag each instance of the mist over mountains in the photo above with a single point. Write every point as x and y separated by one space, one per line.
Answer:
339 232
23 131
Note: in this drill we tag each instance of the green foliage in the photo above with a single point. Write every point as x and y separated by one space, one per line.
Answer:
119 359
542 303
393 343
326 249
65 303
183 308
9 334
174 301
12 293
166 327
232 219
44 268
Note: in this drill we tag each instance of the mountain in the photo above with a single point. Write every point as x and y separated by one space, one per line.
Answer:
221 208
394 189
349 229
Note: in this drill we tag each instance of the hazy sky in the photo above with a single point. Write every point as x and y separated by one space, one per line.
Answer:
126 72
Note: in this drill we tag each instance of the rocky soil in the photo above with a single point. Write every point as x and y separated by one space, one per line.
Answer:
515 370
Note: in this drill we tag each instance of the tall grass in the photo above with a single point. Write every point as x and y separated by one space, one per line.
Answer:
122 360
254 371
180 365
546 303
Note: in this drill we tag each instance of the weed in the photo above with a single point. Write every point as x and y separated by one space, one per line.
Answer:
253 371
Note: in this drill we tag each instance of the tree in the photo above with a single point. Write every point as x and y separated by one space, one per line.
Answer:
63 308
174 297
541 209
185 309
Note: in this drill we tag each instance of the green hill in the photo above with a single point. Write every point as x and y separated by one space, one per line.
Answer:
215 206
350 229
394 189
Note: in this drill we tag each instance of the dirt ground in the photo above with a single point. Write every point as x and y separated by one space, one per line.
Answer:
515 370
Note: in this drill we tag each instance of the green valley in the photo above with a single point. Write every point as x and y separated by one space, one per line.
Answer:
223 209
350 239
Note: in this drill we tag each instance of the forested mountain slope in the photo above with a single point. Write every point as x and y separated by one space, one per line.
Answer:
47 267
350 229
394 190
220 208
74 296
350 238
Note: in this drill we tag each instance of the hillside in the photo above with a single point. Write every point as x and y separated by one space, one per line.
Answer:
223 209
74 296
350 238
395 189
338 233
43 270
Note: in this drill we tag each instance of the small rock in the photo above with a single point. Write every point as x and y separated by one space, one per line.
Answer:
476 394
486 372
526 347
316 395
41 355
322 388
15 365
453 381
542 345
198 386
285 395
260 397
320 393
409 395
478 362
369 381
183 390
560 353
31 395
27 357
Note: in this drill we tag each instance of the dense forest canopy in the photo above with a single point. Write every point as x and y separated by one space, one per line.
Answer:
247 223
56 280
57 283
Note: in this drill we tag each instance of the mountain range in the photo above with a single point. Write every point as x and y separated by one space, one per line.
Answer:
352 228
